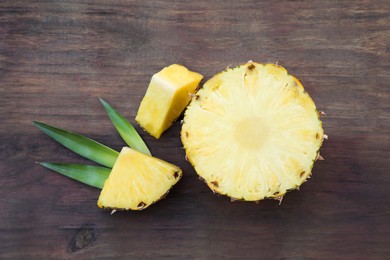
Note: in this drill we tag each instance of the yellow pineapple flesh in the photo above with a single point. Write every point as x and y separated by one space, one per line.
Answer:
137 181
169 92
252 132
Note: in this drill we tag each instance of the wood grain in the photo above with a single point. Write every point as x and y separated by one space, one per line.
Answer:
58 57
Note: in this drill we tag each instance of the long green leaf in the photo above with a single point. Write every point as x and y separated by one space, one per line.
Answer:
81 145
125 129
91 175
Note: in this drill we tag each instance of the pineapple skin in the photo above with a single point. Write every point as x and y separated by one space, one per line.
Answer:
137 181
168 93
248 72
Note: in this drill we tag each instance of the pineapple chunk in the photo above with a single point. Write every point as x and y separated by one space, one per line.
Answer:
137 181
252 132
169 92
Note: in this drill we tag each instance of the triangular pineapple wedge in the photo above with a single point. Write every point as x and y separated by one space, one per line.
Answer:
137 181
252 132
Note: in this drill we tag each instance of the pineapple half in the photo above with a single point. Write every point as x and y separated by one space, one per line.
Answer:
252 132
137 180
168 94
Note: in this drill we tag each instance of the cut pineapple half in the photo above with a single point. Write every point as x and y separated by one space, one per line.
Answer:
137 181
169 92
252 132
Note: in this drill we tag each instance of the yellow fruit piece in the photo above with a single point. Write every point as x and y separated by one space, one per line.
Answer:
169 92
137 181
252 132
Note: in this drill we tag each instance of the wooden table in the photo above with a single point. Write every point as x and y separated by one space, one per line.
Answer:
58 57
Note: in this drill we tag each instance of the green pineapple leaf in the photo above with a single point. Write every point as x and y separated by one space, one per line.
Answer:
125 129
91 175
81 145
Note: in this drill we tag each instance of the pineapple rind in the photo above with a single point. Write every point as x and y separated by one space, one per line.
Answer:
137 180
207 118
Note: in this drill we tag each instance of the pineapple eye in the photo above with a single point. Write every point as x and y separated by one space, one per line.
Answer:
215 183
141 205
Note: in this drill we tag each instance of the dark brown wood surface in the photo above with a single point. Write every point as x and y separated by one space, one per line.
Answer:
58 57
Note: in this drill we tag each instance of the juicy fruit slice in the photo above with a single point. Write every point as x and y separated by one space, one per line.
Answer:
169 92
137 181
252 132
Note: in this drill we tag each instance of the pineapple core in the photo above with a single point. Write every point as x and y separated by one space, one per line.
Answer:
137 181
169 92
252 132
